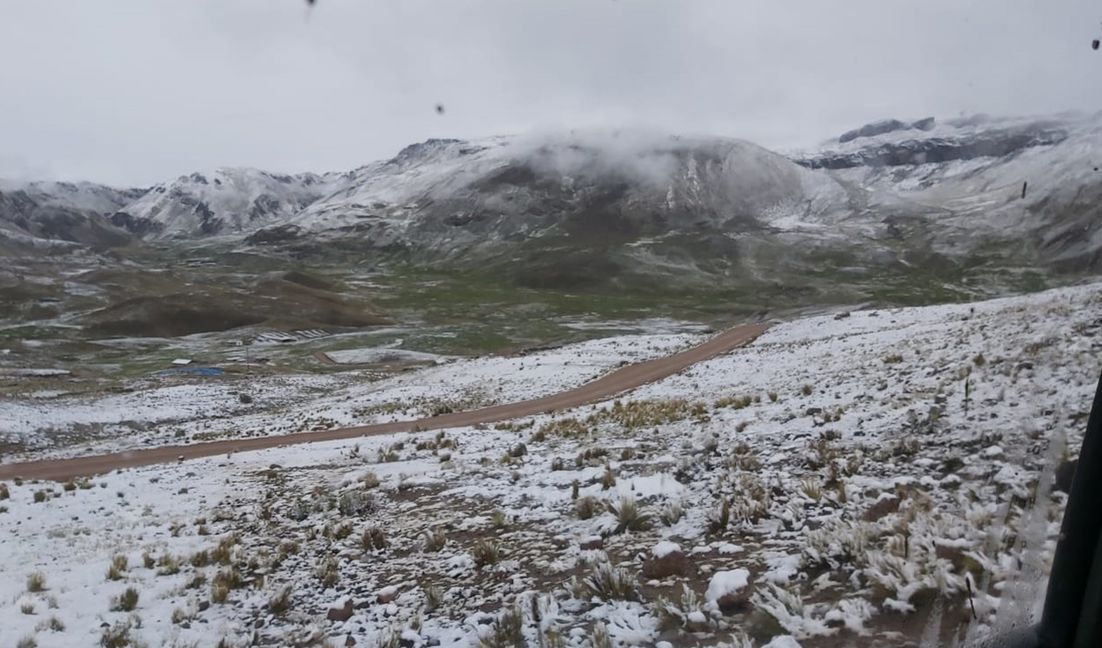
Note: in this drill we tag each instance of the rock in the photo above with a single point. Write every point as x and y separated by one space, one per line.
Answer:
666 559
885 505
1065 474
783 641
349 641
342 613
592 542
728 590
842 315
204 605
387 594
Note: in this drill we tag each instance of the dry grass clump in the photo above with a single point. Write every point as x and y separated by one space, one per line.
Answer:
374 538
27 642
117 568
327 571
36 582
894 358
434 596
27 608
506 632
433 540
280 602
4 494
734 402
168 564
671 513
629 516
116 636
485 552
609 583
585 507
569 428
126 601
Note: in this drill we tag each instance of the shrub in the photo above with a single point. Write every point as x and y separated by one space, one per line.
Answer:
519 450
772 397
36 582
374 538
499 520
434 540
671 513
507 631
40 496
148 561
55 624
280 602
4 494
485 552
200 558
219 593
807 390
197 581
223 553
718 521
979 360
629 517
27 642
434 596
608 480
894 358
116 636
169 565
355 503
327 571
27 608
610 583
585 507
558 464
369 480
126 601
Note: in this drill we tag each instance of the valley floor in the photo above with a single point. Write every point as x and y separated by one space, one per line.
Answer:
841 481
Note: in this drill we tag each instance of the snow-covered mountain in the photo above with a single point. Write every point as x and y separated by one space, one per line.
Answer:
571 209
61 215
223 201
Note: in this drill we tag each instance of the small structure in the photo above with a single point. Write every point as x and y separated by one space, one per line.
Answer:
181 362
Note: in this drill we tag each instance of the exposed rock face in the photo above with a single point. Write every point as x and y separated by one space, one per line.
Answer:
966 146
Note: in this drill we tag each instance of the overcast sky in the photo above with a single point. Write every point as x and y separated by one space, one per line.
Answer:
138 91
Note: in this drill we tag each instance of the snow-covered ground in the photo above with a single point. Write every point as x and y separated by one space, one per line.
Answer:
841 481
154 412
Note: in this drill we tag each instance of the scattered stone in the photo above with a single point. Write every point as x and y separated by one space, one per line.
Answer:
387 594
342 613
728 590
884 505
592 542
666 559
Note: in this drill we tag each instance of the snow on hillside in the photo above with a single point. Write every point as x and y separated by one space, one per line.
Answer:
158 413
227 201
857 474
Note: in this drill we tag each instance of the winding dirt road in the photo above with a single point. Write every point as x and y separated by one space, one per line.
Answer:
607 386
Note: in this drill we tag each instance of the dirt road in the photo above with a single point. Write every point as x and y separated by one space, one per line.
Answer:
607 386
